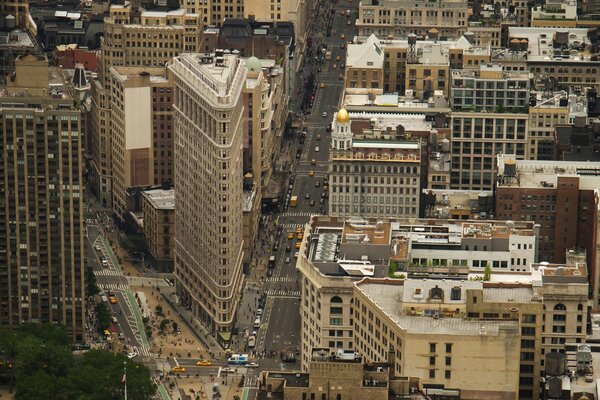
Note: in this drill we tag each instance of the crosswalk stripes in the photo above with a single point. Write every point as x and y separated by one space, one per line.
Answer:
288 293
281 279
291 226
142 351
251 381
108 272
113 286
296 214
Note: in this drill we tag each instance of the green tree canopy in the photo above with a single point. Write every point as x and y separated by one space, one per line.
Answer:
44 367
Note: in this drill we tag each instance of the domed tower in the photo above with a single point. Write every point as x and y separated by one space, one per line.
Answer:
341 135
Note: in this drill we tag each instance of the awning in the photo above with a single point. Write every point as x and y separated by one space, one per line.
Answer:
225 336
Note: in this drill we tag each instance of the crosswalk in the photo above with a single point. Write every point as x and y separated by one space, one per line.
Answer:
114 286
291 226
251 381
296 214
283 293
107 272
281 279
142 351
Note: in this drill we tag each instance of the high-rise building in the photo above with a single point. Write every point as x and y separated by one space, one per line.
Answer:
208 180
134 38
142 133
41 224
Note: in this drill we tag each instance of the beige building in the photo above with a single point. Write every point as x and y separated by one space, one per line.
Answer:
412 67
339 375
214 12
158 208
134 38
546 111
15 12
375 172
141 139
435 325
208 177
398 18
42 248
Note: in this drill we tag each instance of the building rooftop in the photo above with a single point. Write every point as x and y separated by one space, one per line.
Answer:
389 296
489 71
545 174
360 231
382 121
553 44
161 199
359 100
215 74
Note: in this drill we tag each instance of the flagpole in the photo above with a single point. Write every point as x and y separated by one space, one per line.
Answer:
125 377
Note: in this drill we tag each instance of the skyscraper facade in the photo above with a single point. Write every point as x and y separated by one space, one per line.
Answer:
41 201
208 108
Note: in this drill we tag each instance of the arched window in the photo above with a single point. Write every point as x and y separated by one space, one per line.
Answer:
579 307
560 307
336 299
436 293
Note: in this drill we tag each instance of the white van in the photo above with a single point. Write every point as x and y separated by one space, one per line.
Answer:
257 323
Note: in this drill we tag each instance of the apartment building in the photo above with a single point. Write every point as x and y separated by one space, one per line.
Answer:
213 12
375 170
158 208
142 133
553 14
559 195
476 138
13 44
410 66
445 331
208 177
546 111
133 38
565 55
41 228
399 18
489 88
346 376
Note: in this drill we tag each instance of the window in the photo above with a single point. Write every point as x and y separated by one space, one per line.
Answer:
455 293
436 293
336 299
432 347
432 373
448 347
336 310
447 374
560 307
432 360
448 361
335 321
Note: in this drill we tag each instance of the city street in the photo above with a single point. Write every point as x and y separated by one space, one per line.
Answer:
280 319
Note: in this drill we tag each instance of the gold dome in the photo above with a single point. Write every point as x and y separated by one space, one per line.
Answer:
342 116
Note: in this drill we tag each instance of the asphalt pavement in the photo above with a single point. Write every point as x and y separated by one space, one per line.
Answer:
280 320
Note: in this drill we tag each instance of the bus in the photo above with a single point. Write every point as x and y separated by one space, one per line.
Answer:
238 359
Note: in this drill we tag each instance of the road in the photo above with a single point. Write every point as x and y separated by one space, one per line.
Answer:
280 321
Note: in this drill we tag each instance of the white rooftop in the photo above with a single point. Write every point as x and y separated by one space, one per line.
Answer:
410 122
161 199
540 43
365 55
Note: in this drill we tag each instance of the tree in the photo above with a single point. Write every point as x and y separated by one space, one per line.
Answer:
92 286
103 316
158 309
163 324
175 326
45 368
487 273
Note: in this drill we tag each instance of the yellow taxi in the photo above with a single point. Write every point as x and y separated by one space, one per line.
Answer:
204 363
318 136
178 369
298 230
334 66
342 36
298 244
112 299
299 236
342 13
290 236
311 173
337 58
313 162
322 85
